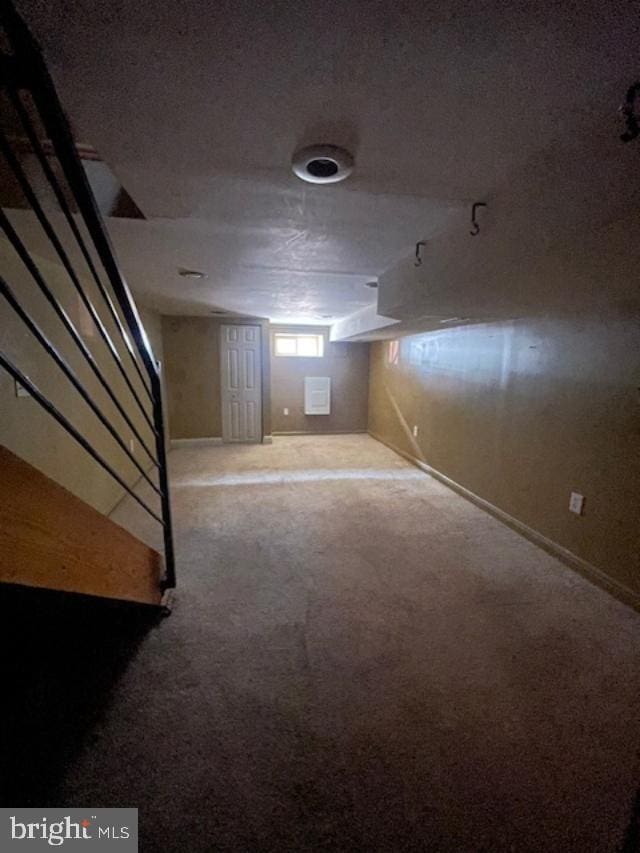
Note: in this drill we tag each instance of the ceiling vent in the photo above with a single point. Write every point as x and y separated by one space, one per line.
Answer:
322 164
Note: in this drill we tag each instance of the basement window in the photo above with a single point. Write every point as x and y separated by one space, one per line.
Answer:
306 346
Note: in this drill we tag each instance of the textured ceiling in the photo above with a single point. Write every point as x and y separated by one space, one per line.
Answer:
198 107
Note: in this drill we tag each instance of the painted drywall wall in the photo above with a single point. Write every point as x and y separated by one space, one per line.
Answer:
523 413
30 432
192 374
348 367
191 348
152 322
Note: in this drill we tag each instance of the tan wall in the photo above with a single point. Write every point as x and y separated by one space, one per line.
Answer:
30 432
192 375
522 413
348 366
152 323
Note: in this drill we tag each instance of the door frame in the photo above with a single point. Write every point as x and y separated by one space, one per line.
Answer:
264 376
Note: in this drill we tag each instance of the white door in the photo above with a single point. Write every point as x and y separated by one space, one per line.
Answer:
241 383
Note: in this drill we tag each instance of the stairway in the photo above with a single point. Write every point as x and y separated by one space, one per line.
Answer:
50 538
73 341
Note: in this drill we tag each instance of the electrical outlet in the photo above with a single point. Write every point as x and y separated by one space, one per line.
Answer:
415 431
576 503
285 411
132 445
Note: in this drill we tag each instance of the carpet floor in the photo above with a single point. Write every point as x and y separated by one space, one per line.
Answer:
361 660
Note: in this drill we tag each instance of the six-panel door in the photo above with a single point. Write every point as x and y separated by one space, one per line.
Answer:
241 383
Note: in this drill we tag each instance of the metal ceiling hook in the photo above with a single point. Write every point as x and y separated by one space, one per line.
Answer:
474 222
631 112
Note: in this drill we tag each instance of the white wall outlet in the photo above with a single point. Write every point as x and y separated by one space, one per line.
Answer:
132 445
285 411
576 503
415 431
21 391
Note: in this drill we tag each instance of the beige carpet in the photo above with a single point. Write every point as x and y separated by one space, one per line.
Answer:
360 659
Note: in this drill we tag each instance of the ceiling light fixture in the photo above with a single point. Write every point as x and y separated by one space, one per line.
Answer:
191 273
322 164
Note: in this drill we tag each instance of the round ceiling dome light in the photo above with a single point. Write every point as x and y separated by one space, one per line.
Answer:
322 164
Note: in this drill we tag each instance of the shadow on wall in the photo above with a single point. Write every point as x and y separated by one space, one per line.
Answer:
63 656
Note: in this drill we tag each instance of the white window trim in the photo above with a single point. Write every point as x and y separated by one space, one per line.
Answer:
317 336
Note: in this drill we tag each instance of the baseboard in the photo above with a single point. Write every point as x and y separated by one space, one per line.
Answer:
208 442
194 442
588 570
324 432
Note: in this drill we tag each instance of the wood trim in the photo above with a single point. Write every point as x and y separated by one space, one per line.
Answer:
588 570
50 538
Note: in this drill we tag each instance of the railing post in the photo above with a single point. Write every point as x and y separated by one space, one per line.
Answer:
169 580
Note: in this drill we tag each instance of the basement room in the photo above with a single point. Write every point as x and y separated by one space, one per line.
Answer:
320 426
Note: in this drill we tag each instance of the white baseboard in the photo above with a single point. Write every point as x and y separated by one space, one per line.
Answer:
324 432
588 570
194 442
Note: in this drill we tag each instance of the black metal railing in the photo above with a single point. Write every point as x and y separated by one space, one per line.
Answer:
32 119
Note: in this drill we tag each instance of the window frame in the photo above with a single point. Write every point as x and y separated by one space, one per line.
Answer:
296 336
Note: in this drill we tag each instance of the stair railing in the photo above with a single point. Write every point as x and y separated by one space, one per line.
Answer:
27 90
